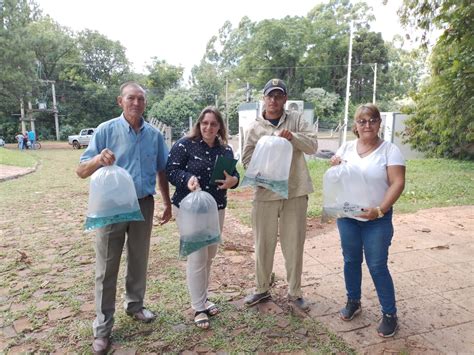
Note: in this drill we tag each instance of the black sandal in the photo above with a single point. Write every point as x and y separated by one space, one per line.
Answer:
212 309
201 320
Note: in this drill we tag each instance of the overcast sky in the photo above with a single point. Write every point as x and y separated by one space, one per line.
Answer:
178 30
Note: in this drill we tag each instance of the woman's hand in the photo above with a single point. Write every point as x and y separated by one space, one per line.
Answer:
335 160
228 182
193 183
369 213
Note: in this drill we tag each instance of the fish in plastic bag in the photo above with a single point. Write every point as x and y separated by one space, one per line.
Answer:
198 222
270 165
112 198
345 192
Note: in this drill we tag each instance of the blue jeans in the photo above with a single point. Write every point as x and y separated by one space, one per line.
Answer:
372 238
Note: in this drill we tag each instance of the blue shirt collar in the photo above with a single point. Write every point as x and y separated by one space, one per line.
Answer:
127 125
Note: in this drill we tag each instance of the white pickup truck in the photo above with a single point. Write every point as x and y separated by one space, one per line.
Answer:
82 139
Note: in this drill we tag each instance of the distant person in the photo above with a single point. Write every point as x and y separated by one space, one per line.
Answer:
32 138
26 142
190 165
20 138
272 215
133 144
383 167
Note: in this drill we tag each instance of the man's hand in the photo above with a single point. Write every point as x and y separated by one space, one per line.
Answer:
166 216
286 134
106 157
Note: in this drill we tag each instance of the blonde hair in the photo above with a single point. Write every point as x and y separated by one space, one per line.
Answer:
365 109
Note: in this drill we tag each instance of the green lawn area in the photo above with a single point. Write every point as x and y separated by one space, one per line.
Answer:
429 183
21 158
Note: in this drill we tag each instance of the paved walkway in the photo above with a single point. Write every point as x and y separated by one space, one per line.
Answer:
432 263
8 172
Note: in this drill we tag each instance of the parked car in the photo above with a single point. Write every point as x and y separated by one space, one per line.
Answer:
2 142
82 139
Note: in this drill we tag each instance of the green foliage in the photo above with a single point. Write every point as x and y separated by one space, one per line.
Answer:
175 109
325 104
161 77
103 61
442 124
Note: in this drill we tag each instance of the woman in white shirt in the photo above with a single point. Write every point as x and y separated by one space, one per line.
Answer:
383 167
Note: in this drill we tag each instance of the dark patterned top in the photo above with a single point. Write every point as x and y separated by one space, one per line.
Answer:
194 157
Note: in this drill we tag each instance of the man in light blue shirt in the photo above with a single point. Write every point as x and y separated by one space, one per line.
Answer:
133 144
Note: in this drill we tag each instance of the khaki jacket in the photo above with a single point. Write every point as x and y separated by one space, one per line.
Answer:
304 141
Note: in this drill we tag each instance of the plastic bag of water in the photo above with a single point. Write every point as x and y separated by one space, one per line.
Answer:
270 165
345 192
112 198
198 222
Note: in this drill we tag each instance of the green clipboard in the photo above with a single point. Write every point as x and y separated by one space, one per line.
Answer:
222 163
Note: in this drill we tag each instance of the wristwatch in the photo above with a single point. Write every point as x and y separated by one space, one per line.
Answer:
379 211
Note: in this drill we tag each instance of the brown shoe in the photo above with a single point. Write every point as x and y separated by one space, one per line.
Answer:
100 346
143 315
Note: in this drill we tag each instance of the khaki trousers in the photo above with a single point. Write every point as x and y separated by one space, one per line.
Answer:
109 243
286 219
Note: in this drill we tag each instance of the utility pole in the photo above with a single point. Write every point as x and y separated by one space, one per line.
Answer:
55 107
55 110
375 81
30 114
227 105
348 86
22 115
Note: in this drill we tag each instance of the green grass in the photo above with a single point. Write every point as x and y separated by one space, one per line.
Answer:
20 158
428 183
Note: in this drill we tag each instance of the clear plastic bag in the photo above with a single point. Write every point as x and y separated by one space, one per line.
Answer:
270 165
198 222
112 198
345 192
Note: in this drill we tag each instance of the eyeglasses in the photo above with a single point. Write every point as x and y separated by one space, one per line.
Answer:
275 97
371 121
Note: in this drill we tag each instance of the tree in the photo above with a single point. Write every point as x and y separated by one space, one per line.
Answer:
442 123
17 61
104 61
162 77
175 109
325 104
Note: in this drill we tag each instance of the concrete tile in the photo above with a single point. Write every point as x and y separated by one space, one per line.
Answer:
458 339
463 297
359 333
426 314
465 267
327 254
322 306
455 254
406 288
415 345
411 260
439 278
